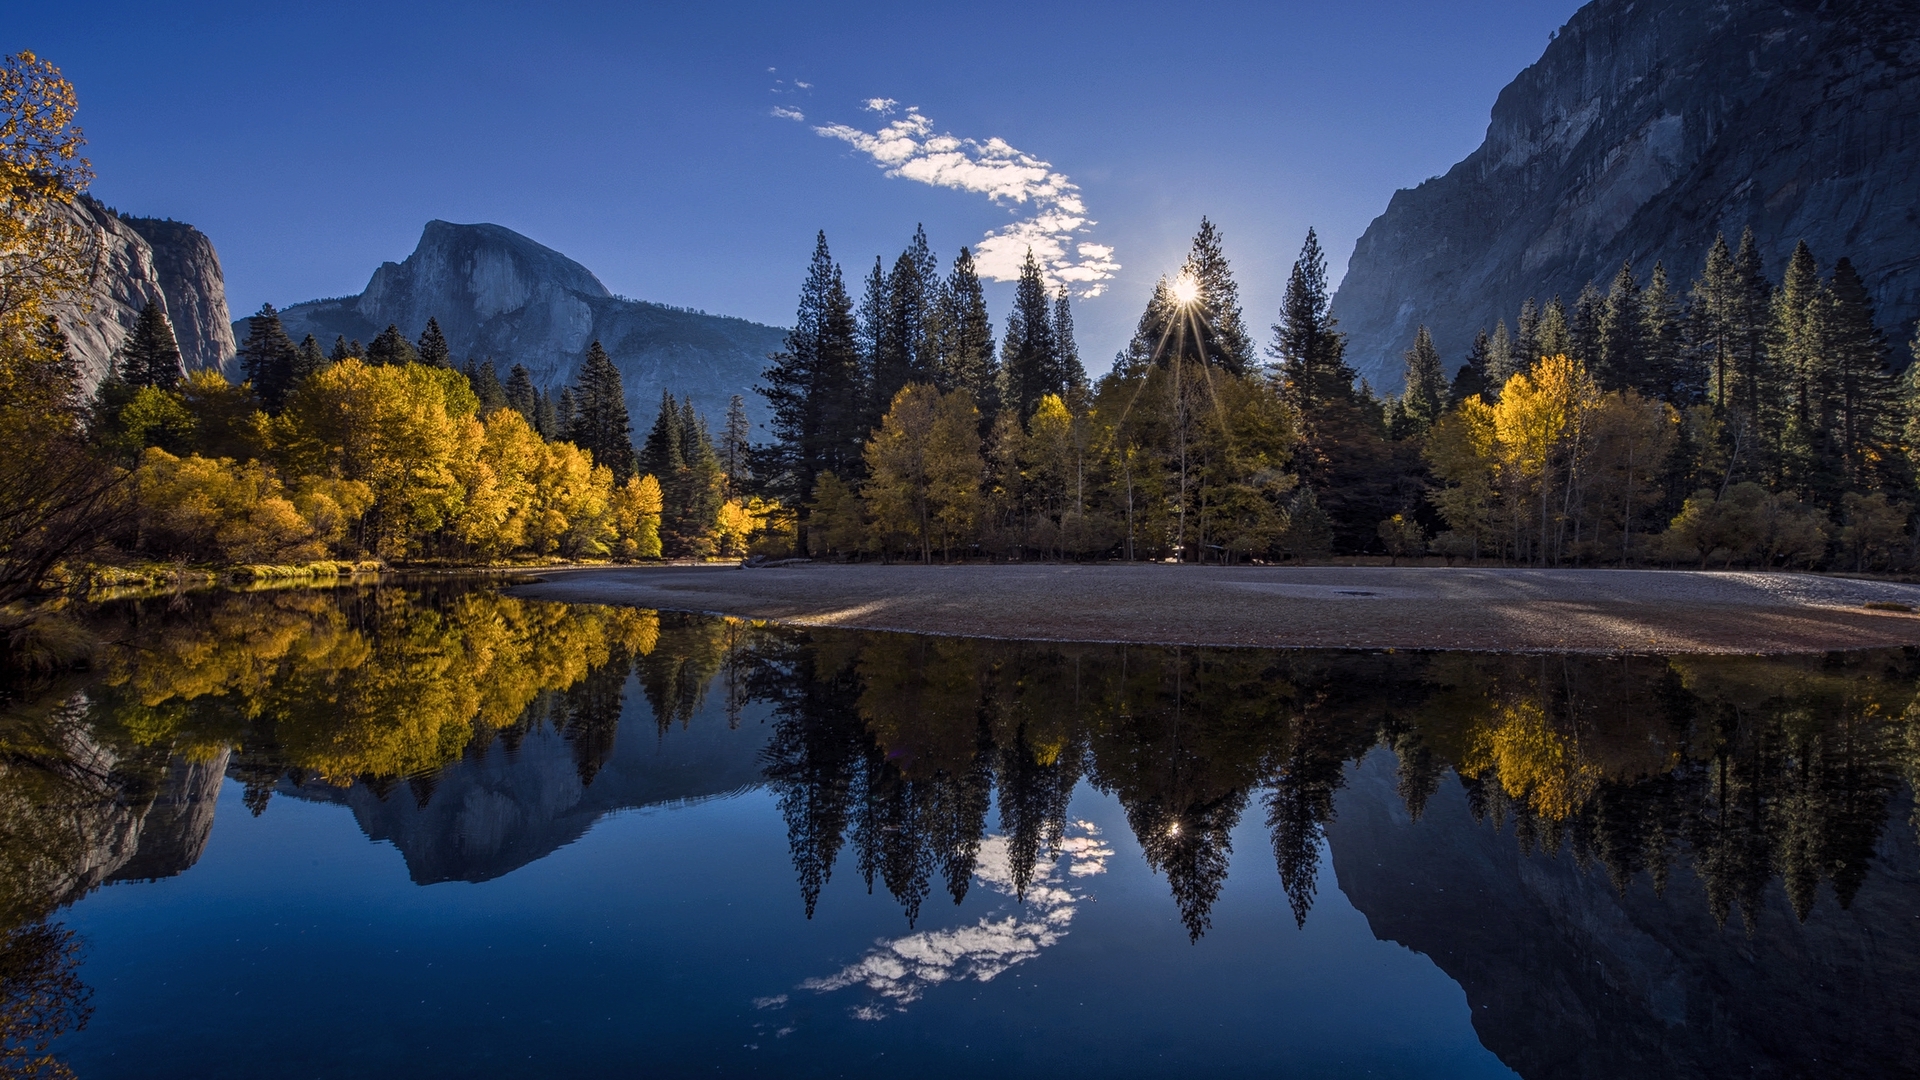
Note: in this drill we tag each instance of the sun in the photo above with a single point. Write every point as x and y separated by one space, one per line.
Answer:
1186 289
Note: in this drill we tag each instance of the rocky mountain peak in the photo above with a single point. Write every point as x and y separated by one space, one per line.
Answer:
1647 127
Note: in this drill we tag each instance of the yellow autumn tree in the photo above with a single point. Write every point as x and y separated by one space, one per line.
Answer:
923 471
636 510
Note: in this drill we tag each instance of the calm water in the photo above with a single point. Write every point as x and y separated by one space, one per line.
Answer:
456 834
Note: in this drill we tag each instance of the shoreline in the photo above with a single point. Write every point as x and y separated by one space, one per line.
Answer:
1609 612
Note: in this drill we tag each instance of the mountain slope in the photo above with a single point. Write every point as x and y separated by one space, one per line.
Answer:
500 296
1647 127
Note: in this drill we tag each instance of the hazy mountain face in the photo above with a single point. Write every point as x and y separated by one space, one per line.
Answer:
1647 127
499 296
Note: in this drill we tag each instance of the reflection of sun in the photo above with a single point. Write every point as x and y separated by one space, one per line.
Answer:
1186 289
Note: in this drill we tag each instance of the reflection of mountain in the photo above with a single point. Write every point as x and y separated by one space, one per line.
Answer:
1568 978
512 802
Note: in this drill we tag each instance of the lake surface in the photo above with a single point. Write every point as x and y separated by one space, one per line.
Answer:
444 832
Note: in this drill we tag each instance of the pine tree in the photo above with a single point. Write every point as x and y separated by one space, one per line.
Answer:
1621 361
266 357
1029 366
561 426
1553 337
871 320
1526 339
1583 325
1503 356
599 424
1741 308
546 416
814 387
967 359
433 350
1671 374
307 359
1310 352
1865 393
1798 354
1072 372
150 356
735 441
1471 379
485 382
689 519
341 350
391 347
1224 331
664 453
522 397
904 343
1425 396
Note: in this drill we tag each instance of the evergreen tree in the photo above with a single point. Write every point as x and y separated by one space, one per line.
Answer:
563 409
1471 379
1864 392
1553 337
735 441
905 340
1503 359
663 455
1583 325
814 387
1072 372
307 359
1526 339
871 320
1425 396
1621 363
1733 301
546 416
1310 352
967 358
341 350
266 357
1798 355
688 521
391 347
1029 365
1671 374
522 397
150 356
599 424
486 386
432 349
1223 330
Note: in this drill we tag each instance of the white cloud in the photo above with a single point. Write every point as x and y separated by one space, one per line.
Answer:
1053 219
785 113
803 85
901 971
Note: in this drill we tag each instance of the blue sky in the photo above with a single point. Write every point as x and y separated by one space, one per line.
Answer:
312 141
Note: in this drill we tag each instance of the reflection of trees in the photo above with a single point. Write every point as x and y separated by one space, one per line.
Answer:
1752 769
897 747
41 998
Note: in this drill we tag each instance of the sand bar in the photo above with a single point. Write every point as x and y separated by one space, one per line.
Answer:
1604 611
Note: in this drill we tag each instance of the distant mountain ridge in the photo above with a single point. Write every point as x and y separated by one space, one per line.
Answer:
501 296
1645 128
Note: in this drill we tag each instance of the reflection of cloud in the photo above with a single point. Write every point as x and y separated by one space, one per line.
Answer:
899 971
785 113
1056 217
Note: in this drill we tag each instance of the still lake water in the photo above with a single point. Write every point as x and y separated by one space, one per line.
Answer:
450 833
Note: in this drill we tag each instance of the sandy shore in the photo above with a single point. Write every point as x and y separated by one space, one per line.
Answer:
1605 611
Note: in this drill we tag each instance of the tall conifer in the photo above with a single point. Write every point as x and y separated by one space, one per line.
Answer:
266 358
1425 396
522 397
391 347
1310 352
1029 364
600 424
1503 355
150 356
1223 329
1621 360
967 358
433 349
307 359
1072 372
814 386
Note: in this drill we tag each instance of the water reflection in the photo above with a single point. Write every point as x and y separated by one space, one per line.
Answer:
1725 807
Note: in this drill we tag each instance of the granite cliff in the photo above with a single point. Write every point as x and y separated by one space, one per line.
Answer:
1647 127
499 296
138 260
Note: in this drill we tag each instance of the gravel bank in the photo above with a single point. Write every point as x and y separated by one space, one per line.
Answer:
1604 611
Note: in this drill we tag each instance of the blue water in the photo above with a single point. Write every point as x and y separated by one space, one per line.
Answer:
662 942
